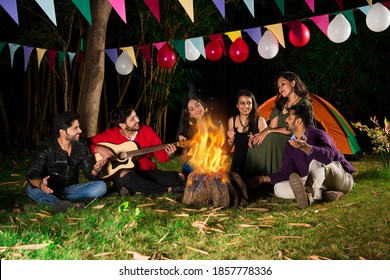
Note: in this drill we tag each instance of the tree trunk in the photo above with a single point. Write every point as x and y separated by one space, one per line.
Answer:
92 85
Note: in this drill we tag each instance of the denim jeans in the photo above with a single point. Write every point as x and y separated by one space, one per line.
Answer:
89 190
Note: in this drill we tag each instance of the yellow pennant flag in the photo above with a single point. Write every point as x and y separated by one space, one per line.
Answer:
130 52
40 54
188 5
233 35
369 2
277 30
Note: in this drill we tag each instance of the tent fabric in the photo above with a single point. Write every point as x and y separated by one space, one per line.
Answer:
330 119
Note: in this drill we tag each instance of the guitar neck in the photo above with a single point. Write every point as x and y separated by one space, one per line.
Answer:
149 150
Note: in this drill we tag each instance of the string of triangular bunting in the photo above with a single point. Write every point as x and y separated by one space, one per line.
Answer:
10 6
321 21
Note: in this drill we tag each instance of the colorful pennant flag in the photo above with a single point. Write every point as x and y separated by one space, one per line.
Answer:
27 53
254 33
130 52
280 4
61 58
112 54
188 6
310 3
251 6
220 6
146 52
154 7
198 43
277 30
85 9
12 49
11 8
322 23
233 35
351 19
52 57
120 8
48 7
40 54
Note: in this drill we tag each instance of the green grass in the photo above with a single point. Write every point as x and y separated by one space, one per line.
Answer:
269 228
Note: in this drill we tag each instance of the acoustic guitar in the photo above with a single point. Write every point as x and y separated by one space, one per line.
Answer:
125 153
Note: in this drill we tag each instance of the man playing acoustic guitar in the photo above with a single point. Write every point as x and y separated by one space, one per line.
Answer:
129 138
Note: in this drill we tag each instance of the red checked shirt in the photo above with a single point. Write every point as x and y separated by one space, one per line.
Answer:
145 138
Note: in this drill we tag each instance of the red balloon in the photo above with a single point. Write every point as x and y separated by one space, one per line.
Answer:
166 57
299 34
214 50
239 50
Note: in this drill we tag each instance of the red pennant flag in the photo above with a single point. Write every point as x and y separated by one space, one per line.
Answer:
145 51
154 7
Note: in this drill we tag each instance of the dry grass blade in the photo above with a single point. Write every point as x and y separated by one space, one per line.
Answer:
214 215
246 225
138 256
197 250
286 237
75 219
257 209
145 205
215 229
181 215
160 210
104 254
195 210
43 215
349 204
166 198
99 206
162 238
234 243
339 226
318 258
9 183
30 246
299 224
199 224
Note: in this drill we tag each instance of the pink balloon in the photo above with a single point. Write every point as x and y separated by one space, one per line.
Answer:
299 34
239 50
214 50
166 57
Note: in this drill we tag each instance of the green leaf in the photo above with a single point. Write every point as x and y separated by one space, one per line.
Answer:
123 207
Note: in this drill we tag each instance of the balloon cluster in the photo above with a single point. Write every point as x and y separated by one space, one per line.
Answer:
338 31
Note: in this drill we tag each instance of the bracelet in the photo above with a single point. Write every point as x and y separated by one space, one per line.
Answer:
96 170
269 130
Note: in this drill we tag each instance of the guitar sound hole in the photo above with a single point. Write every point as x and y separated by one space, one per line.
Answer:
122 156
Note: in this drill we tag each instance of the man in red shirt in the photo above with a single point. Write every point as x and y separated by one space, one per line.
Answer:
140 175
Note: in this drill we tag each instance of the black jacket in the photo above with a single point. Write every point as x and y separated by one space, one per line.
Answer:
50 159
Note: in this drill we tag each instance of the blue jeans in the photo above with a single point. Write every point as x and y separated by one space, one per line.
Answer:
89 190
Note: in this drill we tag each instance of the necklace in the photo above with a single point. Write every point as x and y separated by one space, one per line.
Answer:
244 127
292 104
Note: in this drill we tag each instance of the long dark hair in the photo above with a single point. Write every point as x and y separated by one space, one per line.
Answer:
300 88
253 117
186 124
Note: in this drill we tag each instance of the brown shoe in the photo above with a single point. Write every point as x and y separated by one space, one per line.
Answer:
301 195
330 196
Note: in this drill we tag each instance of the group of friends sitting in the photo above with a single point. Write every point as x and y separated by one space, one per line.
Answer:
286 151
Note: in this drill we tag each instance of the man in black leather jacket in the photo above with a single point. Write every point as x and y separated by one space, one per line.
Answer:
53 172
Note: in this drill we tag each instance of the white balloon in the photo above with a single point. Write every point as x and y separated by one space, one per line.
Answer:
268 46
378 18
339 29
191 52
123 64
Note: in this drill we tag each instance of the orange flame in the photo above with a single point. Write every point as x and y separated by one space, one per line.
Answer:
206 148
